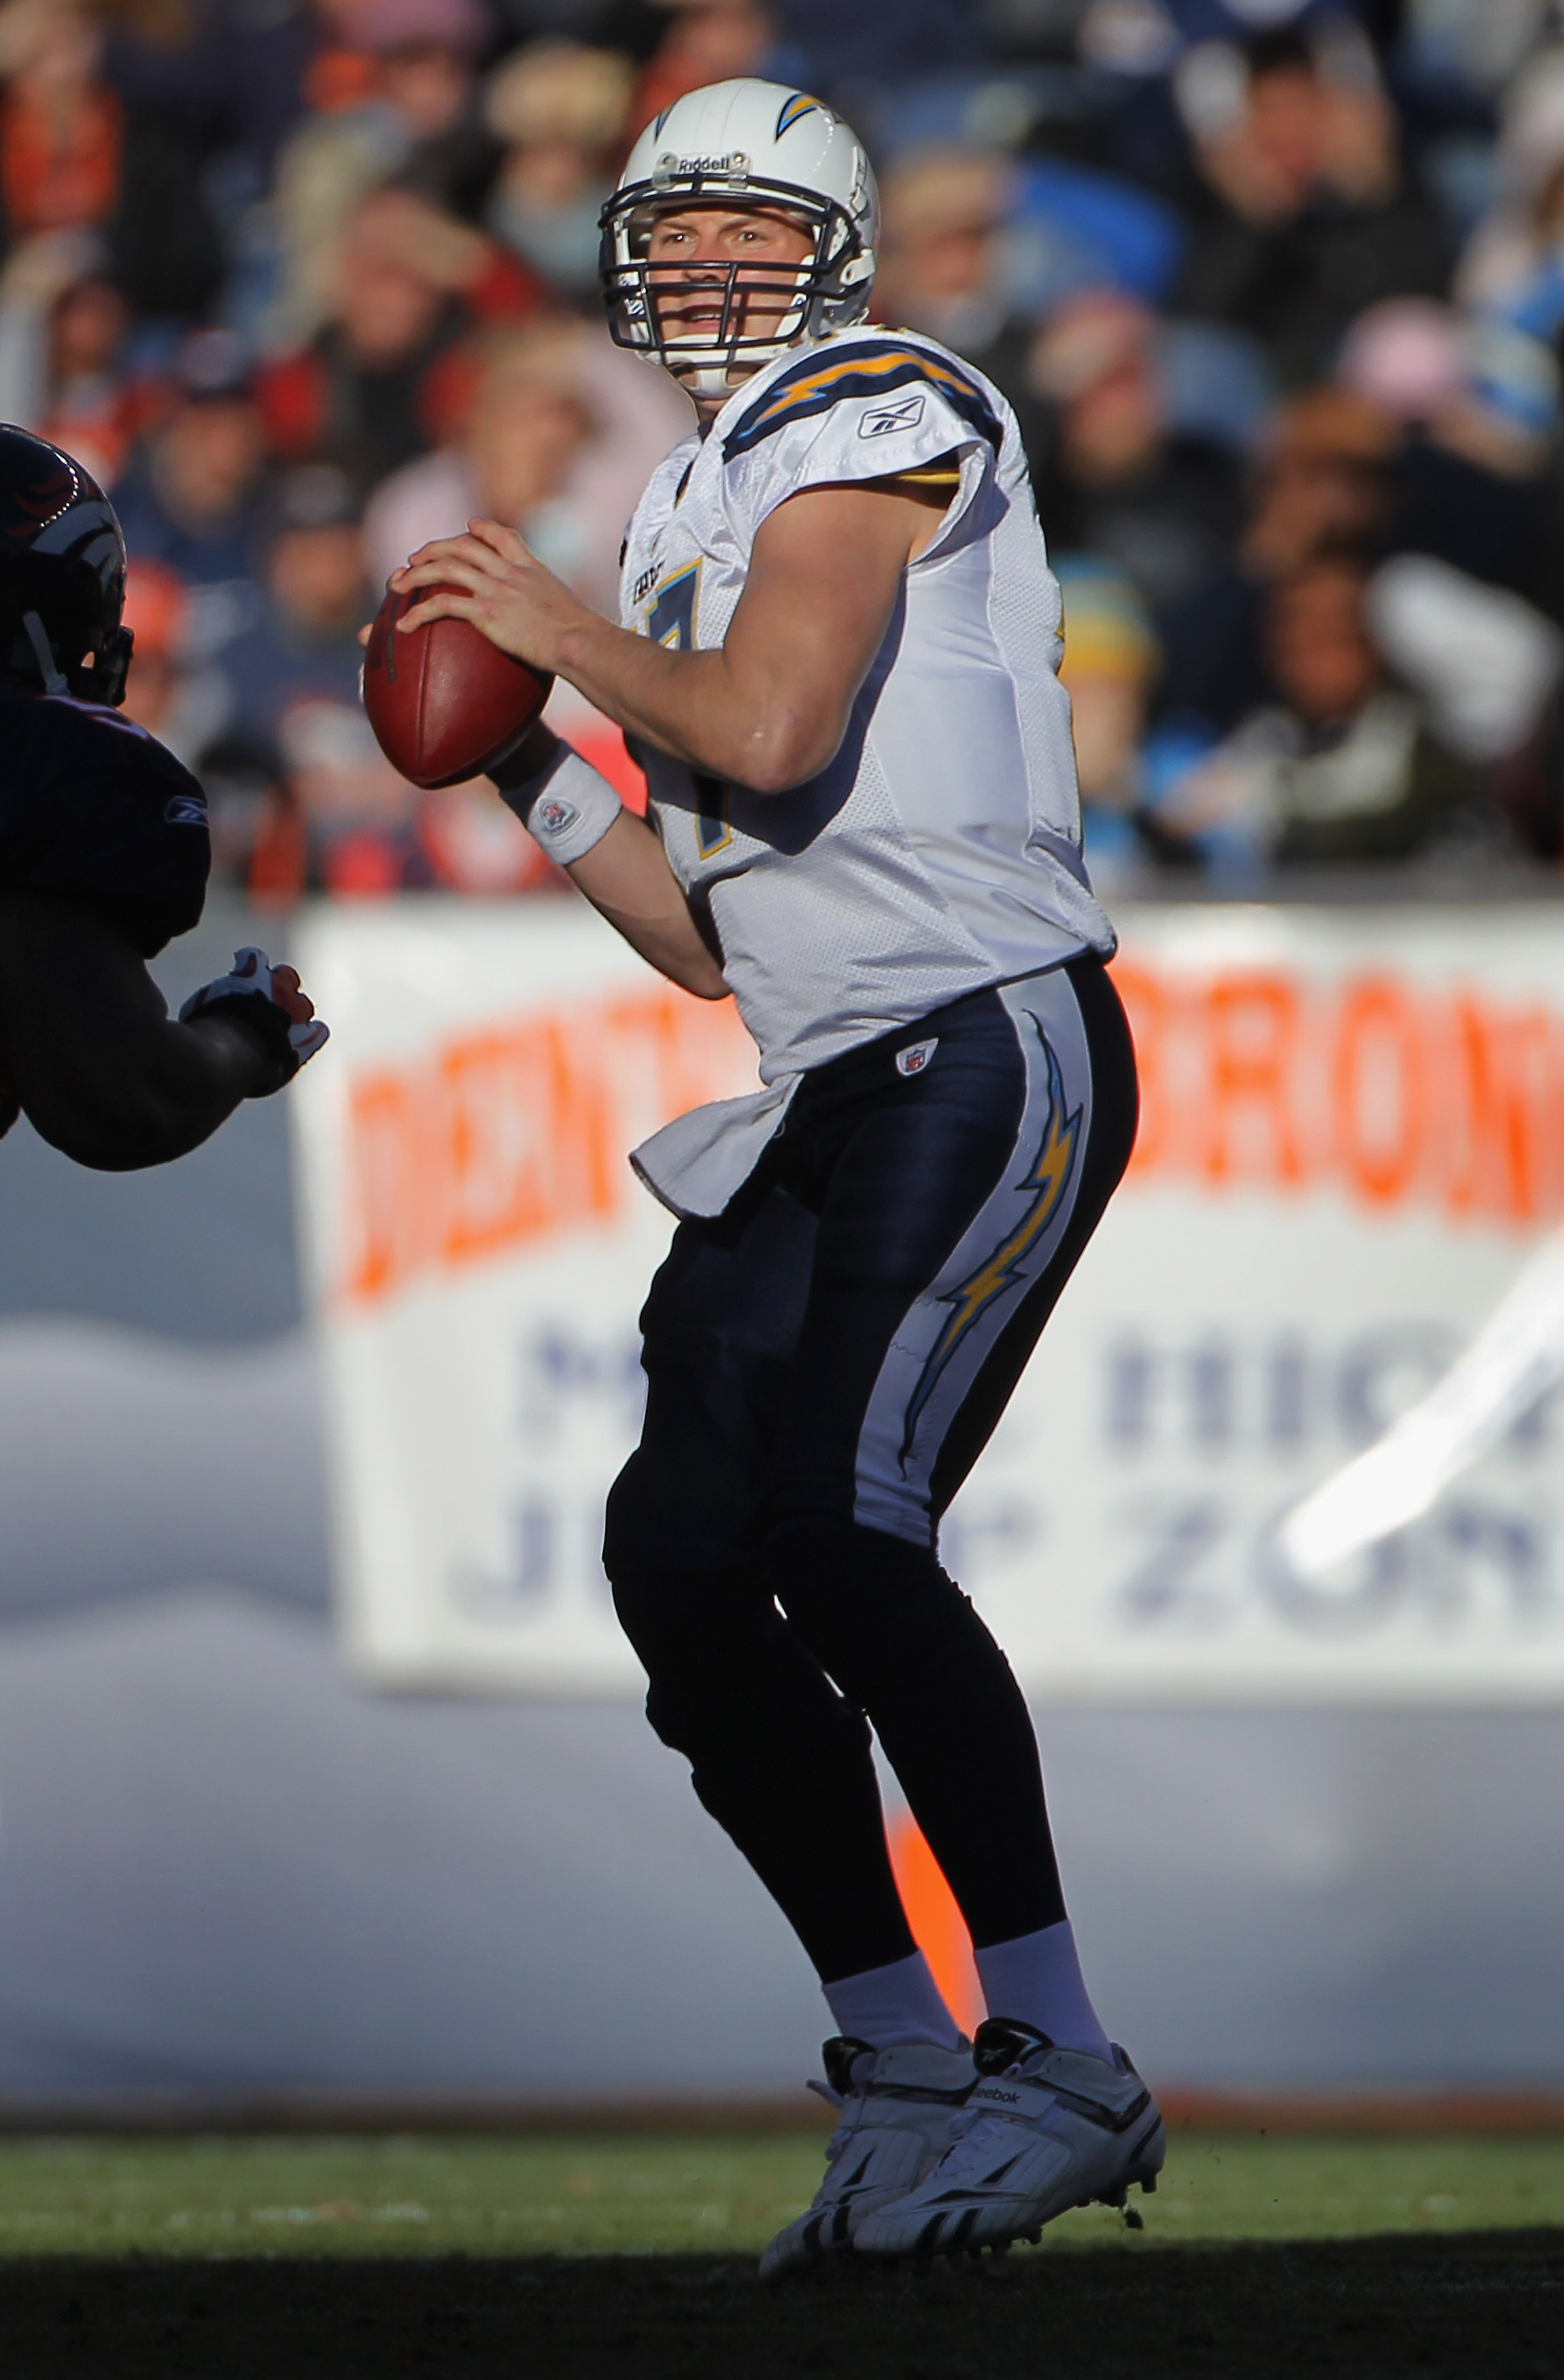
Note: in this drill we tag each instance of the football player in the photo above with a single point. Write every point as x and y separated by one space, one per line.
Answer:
103 858
838 657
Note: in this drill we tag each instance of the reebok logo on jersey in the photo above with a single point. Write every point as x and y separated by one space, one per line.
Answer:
184 809
916 1057
811 386
553 813
881 419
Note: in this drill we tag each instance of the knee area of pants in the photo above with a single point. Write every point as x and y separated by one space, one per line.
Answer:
639 1605
682 1625
829 1575
716 1721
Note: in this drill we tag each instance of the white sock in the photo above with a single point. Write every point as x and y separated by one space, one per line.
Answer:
887 2005
1037 1979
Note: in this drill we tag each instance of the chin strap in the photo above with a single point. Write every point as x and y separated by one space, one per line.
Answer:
49 668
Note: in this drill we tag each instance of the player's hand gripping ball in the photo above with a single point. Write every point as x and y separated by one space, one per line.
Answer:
445 702
270 999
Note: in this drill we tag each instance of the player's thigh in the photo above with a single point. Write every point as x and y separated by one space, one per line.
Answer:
970 1220
1105 1150
919 1165
719 1330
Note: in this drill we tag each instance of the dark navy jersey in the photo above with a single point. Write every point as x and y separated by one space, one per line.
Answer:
95 809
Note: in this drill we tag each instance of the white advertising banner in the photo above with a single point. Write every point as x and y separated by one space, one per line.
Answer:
1352 1142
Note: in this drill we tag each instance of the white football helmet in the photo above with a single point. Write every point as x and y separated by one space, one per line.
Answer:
733 145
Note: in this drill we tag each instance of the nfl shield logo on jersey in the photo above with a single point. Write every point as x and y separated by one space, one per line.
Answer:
916 1057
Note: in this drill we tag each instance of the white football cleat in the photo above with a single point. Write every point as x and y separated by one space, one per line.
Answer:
899 2111
1044 2130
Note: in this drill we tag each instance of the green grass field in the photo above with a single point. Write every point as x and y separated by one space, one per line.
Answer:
590 2256
701 2195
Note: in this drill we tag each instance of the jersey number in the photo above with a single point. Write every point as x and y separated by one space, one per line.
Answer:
671 620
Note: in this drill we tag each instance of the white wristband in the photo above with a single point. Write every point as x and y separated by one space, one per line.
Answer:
566 808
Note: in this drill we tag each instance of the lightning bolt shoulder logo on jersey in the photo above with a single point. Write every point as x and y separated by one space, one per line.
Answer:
825 377
1047 1177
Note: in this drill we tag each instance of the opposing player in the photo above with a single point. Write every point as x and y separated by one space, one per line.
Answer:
838 659
103 858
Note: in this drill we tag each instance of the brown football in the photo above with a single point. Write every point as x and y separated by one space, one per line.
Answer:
444 703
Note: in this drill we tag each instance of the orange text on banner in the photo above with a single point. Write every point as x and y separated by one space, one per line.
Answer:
520 1129
1400 1093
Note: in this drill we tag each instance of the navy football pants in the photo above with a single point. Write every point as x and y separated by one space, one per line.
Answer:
825 1362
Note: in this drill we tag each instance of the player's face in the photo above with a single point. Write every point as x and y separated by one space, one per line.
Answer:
711 261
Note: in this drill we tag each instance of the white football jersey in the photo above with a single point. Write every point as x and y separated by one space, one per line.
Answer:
939 852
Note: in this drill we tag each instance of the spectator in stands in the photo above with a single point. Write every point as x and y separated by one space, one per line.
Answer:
402 102
303 797
193 497
183 701
1477 483
338 817
975 244
409 283
304 644
73 158
1513 263
1109 662
231 73
560 108
1117 478
1477 406
64 325
1302 216
706 41
61 133
557 435
404 217
922 38
1345 768
941 258
1323 478
425 56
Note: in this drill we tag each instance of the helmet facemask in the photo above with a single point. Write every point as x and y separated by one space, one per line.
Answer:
825 289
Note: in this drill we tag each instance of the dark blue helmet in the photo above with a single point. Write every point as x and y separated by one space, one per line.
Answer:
62 573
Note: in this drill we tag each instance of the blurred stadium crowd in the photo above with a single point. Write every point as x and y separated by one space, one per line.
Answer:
1276 290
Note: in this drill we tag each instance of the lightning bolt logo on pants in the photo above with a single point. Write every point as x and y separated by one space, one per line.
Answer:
1048 1176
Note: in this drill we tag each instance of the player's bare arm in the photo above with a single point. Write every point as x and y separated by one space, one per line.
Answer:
768 707
626 878
768 710
93 1057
